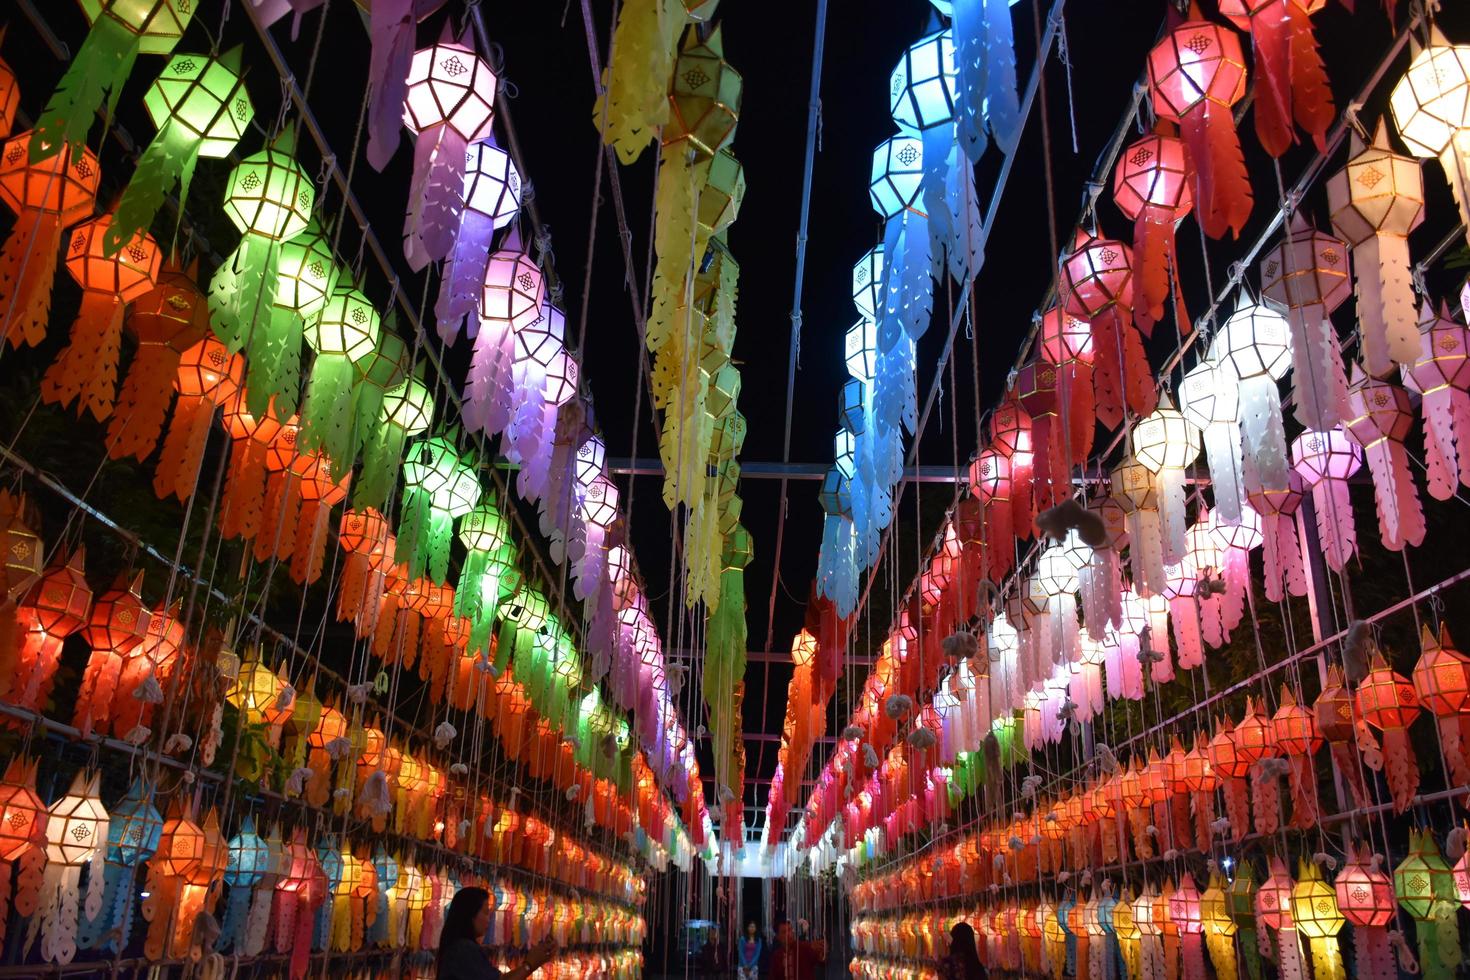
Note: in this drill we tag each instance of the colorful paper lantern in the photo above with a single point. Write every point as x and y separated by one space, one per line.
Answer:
1432 112
492 199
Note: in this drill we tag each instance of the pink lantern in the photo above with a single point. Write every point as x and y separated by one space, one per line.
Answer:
510 298
449 105
1152 187
1324 461
1382 419
1097 285
1441 375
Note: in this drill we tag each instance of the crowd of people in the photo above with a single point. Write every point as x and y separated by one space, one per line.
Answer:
792 955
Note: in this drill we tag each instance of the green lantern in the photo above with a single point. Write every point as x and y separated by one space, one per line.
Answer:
379 373
407 410
200 108
477 593
269 198
1241 898
1425 887
121 30
438 486
306 274
343 334
522 615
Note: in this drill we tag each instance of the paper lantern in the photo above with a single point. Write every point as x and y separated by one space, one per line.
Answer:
1442 684
449 105
133 833
208 376
1387 701
250 860
1376 200
121 30
492 199
1151 186
1166 442
438 487
1365 897
307 274
1219 927
9 97
511 297
200 107
1097 285
1231 766
56 607
75 835
1196 74
166 322
118 623
483 532
1315 913
343 335
85 370
898 172
1210 399
1306 277
1425 888
1290 77
1294 729
1441 375
867 285
243 494
1325 461
47 196
1273 910
704 100
270 200
1381 421
407 410
1432 112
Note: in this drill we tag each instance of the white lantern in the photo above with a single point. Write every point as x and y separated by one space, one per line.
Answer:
923 87
861 350
1210 399
1324 461
1255 346
1431 107
1166 442
898 173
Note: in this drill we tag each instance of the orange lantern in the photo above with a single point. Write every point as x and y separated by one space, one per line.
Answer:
46 196
277 535
1333 712
361 534
118 624
1256 740
1295 731
319 494
1388 702
86 369
57 607
208 376
1442 684
1231 768
244 484
9 95
180 854
22 836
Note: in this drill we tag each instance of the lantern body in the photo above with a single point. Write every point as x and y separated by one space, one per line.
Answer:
897 178
207 97
127 275
448 84
73 824
923 89
270 195
1431 103
54 186
1197 62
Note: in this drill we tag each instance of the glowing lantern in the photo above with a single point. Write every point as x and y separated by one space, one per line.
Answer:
1432 112
343 334
492 199
306 274
57 606
200 108
121 30
250 860
1210 399
1196 74
1134 488
1441 375
1273 910
1151 187
1442 683
407 410
1306 277
1166 442
46 196
1365 897
1219 927
1097 285
1377 199
1315 913
1387 701
133 833
86 369
449 105
1231 766
9 97
1425 888
180 856
1325 461
438 487
117 625
76 834
483 533
1294 730
510 298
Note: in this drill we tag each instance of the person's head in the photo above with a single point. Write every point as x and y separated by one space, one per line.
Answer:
468 917
750 929
962 942
784 934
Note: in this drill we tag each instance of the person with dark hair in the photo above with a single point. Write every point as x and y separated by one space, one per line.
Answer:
962 963
792 959
462 957
748 951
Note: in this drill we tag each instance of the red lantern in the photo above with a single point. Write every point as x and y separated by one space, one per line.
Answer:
281 508
1295 730
1232 767
208 376
118 624
86 368
1290 79
1196 74
1066 343
361 534
1152 187
166 322
46 196
1442 684
1273 911
319 493
57 607
1382 420
1097 285
1010 434
1387 701
1365 898
1333 713
991 481
244 484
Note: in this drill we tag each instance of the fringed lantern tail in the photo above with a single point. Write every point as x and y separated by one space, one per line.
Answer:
1372 954
177 471
244 490
309 553
273 364
1318 384
436 196
1456 163
488 389
1400 768
1153 244
278 516
464 273
1332 504
391 26
242 292
142 402
1303 777
1237 806
96 73
1387 309
168 160
1222 188
1270 28
27 268
86 368
1400 516
326 417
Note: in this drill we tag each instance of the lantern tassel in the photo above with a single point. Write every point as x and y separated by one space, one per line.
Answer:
242 292
382 454
1303 779
167 160
27 268
96 73
464 273
1453 160
1153 245
326 416
1400 516
86 368
488 389
177 471
391 25
1372 954
1387 310
142 402
436 196
309 553
1185 624
1222 188
273 364
1333 507
1400 768
244 489
278 516
1002 105
1318 382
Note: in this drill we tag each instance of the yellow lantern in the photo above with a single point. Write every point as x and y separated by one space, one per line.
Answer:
1314 910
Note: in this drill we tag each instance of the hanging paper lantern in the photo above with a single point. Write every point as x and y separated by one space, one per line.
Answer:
492 199
407 410
306 275
449 104
343 334
1365 897
1377 199
1166 442
243 496
1387 701
1333 711
121 30
9 96
166 322
1382 420
1425 888
1294 729
510 298
315 490
47 195
208 376
1219 927
1196 74
1291 81
133 833
75 835
438 486
477 595
1441 375
1306 276
56 607
1151 186
1097 285
86 369
200 108
1066 342
1210 399
1135 489
1432 112
117 625
1325 461
269 199
1442 684
1231 766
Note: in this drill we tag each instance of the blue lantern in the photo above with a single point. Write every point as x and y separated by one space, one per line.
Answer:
133 833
